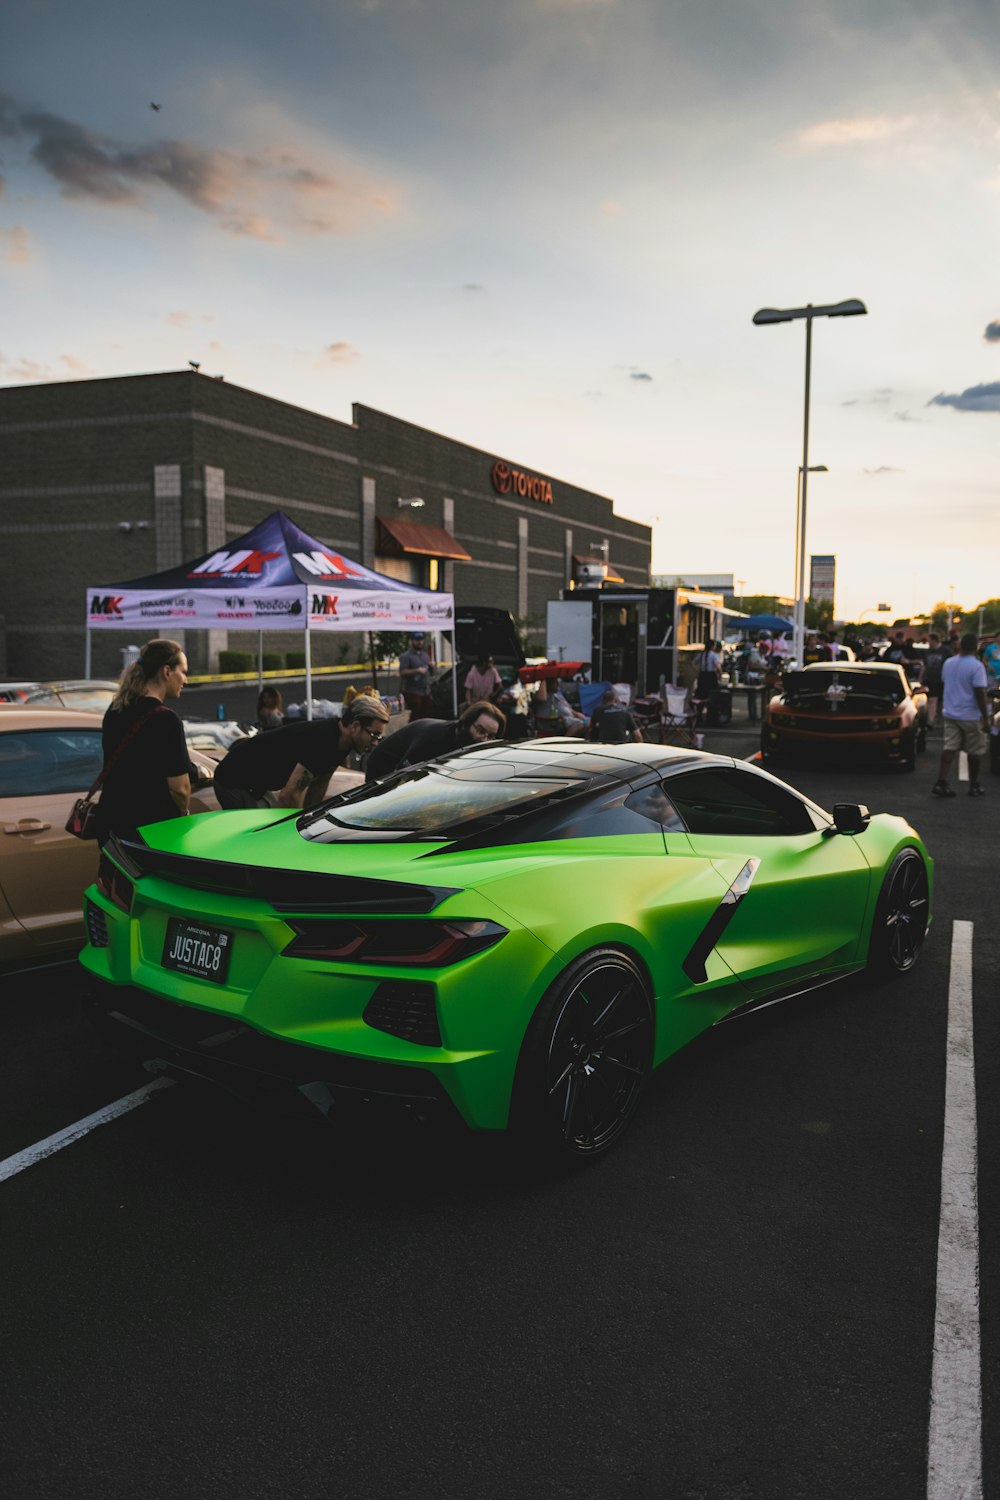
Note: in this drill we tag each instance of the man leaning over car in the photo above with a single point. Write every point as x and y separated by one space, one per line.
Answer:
292 766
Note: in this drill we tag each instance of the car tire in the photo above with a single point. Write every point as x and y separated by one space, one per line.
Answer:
909 757
584 1061
900 921
922 739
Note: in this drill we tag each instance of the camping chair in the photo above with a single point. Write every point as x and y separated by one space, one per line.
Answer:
679 717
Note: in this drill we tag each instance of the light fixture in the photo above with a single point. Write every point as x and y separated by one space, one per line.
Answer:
852 308
414 503
124 525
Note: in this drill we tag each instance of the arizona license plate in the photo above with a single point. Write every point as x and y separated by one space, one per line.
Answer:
191 948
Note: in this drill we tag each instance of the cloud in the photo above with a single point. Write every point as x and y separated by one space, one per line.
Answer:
883 469
184 319
473 286
991 333
639 375
16 248
862 130
264 196
976 398
341 353
28 370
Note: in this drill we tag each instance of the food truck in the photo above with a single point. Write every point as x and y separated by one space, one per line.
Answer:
641 636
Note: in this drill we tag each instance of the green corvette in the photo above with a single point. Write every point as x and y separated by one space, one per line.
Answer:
513 934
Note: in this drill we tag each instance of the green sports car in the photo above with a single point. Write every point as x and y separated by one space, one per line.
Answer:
515 934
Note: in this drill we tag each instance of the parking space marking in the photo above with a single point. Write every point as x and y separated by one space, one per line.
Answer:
954 1448
53 1143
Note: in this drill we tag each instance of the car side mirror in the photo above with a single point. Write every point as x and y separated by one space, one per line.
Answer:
850 817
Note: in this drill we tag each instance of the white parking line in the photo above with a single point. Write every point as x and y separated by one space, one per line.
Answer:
53 1143
955 1447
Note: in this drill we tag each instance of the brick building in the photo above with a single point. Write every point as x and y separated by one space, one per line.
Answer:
102 481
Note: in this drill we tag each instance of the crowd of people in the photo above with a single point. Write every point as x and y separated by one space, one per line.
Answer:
288 764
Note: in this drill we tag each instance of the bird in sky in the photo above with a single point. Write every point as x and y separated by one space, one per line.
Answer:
154 106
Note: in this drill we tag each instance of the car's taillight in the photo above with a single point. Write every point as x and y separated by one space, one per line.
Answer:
113 885
425 944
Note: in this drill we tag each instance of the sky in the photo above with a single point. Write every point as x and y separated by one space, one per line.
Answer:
543 227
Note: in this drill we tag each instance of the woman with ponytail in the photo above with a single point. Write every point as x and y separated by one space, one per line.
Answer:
148 777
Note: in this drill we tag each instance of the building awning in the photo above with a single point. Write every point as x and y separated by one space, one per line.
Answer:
397 538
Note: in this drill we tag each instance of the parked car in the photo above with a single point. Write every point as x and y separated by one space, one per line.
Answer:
512 935
480 631
847 709
215 736
82 693
48 758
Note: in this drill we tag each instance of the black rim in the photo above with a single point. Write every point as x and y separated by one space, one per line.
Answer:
598 1056
905 919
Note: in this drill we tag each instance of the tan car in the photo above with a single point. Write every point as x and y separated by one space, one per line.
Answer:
48 758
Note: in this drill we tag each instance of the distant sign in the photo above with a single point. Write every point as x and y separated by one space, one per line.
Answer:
822 578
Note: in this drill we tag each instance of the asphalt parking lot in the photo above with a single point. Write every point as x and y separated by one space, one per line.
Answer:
740 1303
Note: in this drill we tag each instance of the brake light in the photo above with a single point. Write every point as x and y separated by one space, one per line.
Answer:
424 944
113 885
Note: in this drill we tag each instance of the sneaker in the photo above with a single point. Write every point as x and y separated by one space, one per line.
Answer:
976 789
942 789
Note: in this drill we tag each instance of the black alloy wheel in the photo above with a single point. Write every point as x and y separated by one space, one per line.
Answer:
585 1059
900 921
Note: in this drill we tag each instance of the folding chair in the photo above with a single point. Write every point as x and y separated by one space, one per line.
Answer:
679 718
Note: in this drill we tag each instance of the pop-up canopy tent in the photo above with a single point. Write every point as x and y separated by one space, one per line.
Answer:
773 624
274 577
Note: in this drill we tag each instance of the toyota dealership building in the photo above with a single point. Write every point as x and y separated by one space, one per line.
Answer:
103 481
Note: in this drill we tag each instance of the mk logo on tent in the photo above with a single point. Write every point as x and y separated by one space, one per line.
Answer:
325 565
223 564
109 605
324 604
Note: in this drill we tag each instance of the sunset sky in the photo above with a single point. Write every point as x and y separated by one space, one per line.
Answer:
543 227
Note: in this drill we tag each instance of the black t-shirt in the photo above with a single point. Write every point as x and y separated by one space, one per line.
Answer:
934 661
264 762
420 740
613 725
135 790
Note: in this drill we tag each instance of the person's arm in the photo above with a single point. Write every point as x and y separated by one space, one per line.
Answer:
984 707
180 791
296 788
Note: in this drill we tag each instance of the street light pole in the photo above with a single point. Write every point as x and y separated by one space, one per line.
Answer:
799 642
852 308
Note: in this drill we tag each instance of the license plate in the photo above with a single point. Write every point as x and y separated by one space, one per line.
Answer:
191 948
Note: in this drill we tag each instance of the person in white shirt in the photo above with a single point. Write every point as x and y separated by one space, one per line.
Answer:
966 716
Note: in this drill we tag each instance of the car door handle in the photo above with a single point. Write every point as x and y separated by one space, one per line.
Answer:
27 825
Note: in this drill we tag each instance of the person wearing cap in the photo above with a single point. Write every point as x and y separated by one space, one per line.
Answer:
414 677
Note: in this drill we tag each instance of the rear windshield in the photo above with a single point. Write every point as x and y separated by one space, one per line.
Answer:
435 799
834 685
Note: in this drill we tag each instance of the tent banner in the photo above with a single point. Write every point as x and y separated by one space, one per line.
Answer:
378 610
206 609
286 608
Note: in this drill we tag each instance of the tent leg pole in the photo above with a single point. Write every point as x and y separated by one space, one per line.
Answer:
309 674
86 657
454 674
260 661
